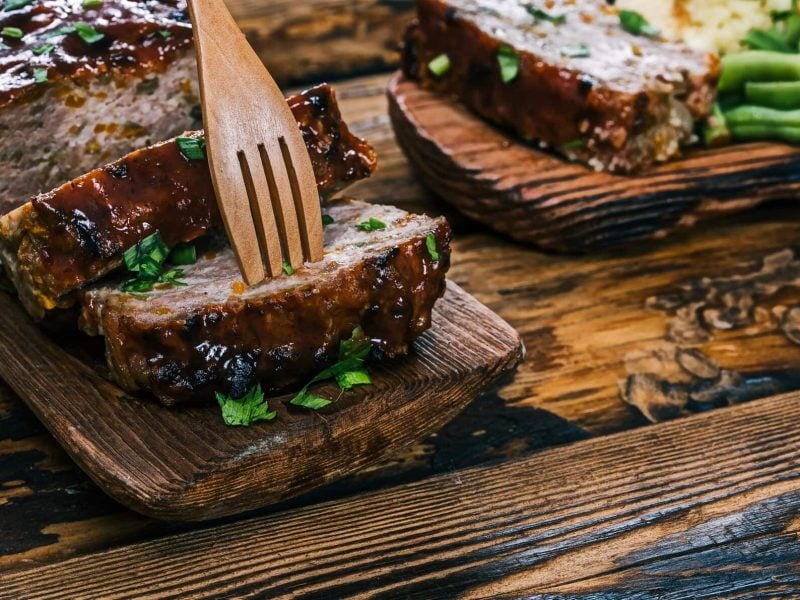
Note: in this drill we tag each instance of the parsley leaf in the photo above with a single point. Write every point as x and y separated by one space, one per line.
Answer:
192 148
164 33
248 409
541 15
15 4
371 225
87 33
348 370
509 63
146 260
430 244
635 23
327 220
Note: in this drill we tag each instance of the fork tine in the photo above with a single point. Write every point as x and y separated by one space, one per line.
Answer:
280 194
236 214
305 195
259 192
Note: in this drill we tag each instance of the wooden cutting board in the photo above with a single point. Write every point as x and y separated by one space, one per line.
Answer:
542 199
185 464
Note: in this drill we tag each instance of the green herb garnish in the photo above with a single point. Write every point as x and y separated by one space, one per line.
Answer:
15 4
192 148
43 49
164 33
246 410
541 15
327 220
439 65
12 32
371 225
40 75
287 268
183 254
635 23
91 3
348 370
579 51
146 260
509 63
430 244
573 144
87 33
59 31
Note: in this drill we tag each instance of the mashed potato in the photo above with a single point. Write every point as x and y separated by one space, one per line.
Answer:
714 25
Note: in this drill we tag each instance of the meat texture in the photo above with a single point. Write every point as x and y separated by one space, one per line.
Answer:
565 74
66 238
84 85
216 335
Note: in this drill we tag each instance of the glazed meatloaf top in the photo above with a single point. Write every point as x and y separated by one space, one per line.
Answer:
57 41
574 80
65 238
216 334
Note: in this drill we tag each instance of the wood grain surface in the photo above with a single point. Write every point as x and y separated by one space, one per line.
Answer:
589 325
702 507
186 464
539 198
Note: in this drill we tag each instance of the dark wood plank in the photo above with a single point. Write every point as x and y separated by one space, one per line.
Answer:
186 464
704 506
539 198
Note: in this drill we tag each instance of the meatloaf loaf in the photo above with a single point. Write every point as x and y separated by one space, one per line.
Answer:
217 335
61 240
565 74
86 83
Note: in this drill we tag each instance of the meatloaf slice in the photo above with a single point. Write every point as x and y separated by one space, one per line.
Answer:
74 98
575 80
61 240
215 334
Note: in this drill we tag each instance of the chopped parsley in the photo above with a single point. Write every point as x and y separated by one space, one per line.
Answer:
371 225
579 51
43 49
40 75
246 410
327 220
430 244
287 268
635 23
439 65
87 33
164 33
508 60
12 32
541 15
183 254
91 3
146 261
16 4
348 371
192 148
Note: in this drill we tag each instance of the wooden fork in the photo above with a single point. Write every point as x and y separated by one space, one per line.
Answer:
262 173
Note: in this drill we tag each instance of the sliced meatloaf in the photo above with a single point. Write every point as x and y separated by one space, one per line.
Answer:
61 240
565 74
84 85
215 334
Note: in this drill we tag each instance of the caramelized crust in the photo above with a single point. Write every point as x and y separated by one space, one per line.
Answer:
69 237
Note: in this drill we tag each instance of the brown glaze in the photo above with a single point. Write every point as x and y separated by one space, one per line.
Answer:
139 37
627 104
68 237
186 343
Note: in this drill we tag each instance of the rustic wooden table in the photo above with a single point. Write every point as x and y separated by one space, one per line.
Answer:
549 486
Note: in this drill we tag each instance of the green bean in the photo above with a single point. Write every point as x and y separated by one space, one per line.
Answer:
757 65
766 132
783 95
748 115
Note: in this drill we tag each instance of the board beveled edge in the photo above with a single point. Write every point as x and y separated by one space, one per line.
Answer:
231 485
541 199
